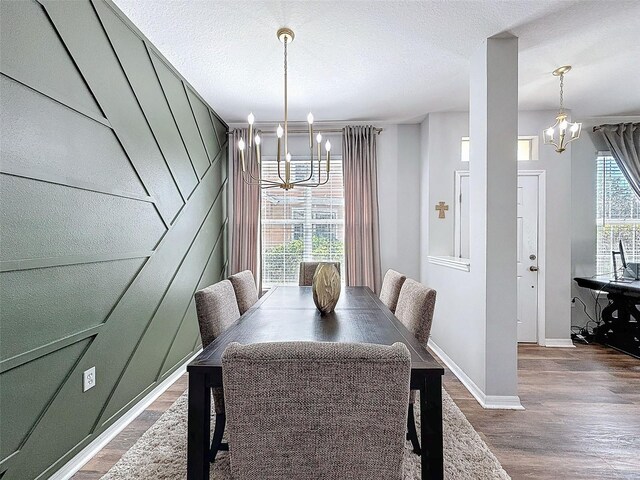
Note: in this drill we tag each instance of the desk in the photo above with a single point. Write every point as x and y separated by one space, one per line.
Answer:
289 314
621 318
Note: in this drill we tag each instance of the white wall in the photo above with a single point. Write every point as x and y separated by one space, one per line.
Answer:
493 126
399 198
456 327
445 133
398 189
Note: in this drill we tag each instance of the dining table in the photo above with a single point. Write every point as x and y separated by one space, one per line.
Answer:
288 313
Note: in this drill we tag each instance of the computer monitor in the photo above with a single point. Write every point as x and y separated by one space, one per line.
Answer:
623 260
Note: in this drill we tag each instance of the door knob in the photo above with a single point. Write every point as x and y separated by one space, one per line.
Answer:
533 268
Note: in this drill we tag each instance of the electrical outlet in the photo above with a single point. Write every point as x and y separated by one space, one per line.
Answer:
89 379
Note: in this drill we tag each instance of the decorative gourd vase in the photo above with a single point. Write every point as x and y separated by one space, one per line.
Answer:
326 287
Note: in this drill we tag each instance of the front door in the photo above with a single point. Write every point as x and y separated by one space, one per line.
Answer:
527 258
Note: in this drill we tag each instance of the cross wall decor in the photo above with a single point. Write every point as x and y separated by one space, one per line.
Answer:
441 207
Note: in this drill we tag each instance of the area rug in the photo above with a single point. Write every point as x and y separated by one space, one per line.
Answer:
161 452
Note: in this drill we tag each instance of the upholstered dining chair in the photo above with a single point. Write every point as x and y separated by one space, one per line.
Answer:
391 285
415 310
307 269
245 287
316 410
217 309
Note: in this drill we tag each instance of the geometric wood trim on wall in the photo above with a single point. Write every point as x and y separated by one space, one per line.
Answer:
113 175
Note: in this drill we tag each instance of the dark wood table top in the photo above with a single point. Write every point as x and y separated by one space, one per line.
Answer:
289 314
608 284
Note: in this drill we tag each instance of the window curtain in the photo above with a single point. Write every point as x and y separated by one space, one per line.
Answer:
624 142
245 236
361 228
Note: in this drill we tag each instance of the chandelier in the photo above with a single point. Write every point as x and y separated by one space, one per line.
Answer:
557 134
252 144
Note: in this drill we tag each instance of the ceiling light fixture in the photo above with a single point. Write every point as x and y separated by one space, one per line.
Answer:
557 134
285 35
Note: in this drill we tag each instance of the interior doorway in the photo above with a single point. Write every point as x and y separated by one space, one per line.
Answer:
530 256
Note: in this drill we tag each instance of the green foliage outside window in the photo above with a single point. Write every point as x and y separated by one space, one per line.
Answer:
282 262
325 250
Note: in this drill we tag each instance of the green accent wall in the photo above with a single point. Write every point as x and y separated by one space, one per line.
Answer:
113 212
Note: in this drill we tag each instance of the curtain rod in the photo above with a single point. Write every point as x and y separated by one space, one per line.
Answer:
600 127
306 131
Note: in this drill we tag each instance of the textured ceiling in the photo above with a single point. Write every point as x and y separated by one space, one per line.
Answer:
393 60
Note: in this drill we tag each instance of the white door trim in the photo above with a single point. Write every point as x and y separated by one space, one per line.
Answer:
458 174
542 235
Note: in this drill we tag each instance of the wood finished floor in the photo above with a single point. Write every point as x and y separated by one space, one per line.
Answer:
582 417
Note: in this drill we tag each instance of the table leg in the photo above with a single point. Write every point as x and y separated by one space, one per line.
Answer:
199 424
620 331
431 428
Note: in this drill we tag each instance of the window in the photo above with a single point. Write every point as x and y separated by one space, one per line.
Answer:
527 148
617 214
303 224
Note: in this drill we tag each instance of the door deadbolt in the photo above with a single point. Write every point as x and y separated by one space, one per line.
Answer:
532 257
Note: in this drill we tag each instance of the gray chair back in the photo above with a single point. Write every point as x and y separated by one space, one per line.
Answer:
217 309
245 287
415 308
316 410
307 269
391 285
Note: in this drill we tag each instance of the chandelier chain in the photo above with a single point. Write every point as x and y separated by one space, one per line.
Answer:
286 109
561 93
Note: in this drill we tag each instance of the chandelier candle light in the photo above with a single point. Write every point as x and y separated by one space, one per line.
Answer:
285 35
557 134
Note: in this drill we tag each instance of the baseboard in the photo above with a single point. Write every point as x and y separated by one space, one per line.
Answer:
559 342
78 461
499 402
502 402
